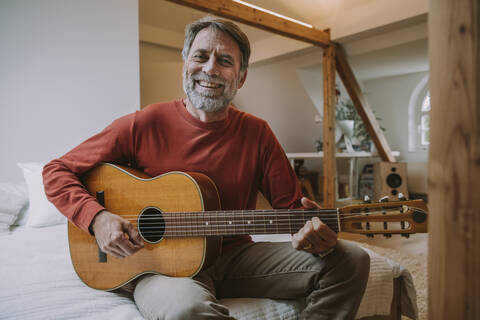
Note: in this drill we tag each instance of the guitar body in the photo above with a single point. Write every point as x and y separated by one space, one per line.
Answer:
128 193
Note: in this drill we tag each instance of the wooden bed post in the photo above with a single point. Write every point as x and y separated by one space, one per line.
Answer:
454 160
329 102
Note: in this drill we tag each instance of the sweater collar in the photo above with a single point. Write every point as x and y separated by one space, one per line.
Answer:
182 110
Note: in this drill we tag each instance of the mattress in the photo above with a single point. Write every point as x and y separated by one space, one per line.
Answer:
38 282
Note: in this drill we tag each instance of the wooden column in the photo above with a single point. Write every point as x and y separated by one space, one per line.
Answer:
329 97
454 160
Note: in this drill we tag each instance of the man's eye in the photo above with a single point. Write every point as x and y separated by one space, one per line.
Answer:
226 62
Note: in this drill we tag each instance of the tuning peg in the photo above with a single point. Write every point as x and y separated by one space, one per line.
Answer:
405 235
387 235
383 199
401 197
367 199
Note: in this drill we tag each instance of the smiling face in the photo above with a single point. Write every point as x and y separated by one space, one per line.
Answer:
211 72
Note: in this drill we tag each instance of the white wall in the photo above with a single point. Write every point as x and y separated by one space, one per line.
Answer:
389 97
274 91
160 74
67 69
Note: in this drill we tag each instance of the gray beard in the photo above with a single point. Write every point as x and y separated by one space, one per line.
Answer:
204 102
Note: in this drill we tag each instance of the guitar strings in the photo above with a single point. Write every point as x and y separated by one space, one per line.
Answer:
197 221
280 212
260 219
257 213
238 229
226 213
210 224
240 220
231 225
215 219
235 217
224 229
179 216
254 216
211 229
286 210
201 217
230 231
235 229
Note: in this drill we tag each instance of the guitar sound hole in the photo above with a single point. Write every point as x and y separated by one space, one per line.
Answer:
151 225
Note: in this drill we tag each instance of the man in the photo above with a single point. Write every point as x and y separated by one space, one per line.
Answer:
239 152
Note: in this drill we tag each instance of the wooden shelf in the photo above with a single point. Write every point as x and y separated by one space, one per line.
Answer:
352 158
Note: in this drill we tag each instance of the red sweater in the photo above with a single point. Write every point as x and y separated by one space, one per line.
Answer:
240 154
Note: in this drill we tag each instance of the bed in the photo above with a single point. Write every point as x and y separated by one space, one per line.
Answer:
39 282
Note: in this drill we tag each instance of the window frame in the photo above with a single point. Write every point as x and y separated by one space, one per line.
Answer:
416 129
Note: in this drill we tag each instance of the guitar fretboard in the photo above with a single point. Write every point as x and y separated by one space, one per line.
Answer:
214 223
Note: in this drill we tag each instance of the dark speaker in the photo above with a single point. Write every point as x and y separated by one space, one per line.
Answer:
390 179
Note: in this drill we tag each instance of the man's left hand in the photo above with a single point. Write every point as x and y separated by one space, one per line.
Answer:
315 236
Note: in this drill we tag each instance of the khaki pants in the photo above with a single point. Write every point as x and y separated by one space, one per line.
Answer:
333 286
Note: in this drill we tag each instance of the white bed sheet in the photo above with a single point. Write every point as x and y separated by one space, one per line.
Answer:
38 282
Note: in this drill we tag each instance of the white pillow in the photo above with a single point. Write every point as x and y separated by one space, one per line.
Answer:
13 198
41 212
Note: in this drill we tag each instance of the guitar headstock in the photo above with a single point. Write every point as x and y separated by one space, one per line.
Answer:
386 218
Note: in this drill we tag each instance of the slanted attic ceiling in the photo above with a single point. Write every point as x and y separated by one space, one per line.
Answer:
393 31
343 17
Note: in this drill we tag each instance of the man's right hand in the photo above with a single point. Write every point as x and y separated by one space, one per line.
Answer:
110 230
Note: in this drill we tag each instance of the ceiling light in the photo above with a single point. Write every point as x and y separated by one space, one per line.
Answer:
273 13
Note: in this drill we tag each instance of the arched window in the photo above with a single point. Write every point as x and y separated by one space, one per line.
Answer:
419 117
425 121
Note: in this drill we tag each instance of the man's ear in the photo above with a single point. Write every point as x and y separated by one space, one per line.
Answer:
243 77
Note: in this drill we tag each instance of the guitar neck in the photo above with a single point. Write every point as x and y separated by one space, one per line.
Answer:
217 223
377 218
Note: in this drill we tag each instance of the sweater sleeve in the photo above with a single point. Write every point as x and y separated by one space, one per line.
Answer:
61 176
279 182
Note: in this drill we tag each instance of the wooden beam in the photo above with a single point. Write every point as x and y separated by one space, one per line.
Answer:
363 108
262 20
329 102
454 160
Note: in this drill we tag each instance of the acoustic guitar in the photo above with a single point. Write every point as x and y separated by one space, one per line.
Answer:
178 215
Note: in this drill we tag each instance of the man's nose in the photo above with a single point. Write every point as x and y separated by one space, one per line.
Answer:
210 67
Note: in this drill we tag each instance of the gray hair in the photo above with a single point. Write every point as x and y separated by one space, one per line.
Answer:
226 26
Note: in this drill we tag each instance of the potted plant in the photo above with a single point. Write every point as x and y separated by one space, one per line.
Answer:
351 124
349 121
